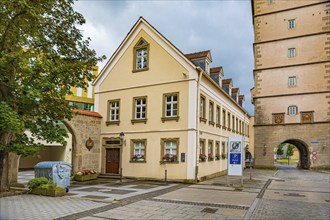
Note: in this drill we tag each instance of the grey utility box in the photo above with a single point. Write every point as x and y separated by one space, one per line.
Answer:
57 171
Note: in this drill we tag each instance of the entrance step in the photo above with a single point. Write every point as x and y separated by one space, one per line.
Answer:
109 176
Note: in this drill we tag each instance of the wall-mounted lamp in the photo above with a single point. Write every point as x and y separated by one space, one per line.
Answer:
121 135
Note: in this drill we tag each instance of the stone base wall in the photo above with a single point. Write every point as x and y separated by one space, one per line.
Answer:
315 136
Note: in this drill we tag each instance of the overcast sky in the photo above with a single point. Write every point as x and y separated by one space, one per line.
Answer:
224 27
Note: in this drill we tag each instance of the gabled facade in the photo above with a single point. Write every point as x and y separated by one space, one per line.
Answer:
163 111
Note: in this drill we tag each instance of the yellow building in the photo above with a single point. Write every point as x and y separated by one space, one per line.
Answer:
164 110
83 99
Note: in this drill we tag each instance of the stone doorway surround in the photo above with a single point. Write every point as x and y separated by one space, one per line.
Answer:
113 144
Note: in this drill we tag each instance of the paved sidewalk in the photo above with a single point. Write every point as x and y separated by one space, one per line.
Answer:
291 194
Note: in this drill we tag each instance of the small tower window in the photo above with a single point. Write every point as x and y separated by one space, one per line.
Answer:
292 110
292 81
291 24
291 52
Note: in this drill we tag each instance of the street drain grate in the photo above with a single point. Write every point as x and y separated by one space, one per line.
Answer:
237 189
209 210
327 200
294 194
279 180
277 192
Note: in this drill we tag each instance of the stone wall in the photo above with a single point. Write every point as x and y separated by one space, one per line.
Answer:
82 128
316 137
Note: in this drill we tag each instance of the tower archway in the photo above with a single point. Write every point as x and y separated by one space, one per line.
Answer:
304 159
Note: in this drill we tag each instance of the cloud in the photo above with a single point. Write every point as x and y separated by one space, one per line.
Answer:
224 27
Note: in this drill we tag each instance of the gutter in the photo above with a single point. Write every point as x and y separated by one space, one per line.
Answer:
200 74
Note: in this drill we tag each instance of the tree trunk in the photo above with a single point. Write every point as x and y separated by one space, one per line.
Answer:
4 183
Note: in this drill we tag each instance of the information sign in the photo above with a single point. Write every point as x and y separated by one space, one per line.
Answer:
235 156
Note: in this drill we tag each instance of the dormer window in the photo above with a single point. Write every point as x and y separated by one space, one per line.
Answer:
141 56
207 67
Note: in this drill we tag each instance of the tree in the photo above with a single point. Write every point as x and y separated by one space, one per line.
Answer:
289 152
42 55
280 150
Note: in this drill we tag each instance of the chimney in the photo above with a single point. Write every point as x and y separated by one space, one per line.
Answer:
202 59
235 94
227 84
216 74
241 100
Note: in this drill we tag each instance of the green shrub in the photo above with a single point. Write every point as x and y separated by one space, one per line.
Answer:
36 182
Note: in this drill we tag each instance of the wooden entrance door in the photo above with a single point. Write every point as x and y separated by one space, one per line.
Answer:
112 160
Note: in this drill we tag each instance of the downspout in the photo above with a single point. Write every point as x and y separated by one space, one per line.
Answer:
200 74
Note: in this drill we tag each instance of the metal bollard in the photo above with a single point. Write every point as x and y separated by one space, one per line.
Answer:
165 177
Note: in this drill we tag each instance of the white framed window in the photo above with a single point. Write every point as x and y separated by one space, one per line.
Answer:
171 105
140 108
210 147
291 52
114 110
170 147
217 148
207 67
292 110
211 111
79 92
90 90
141 59
202 146
291 23
217 116
139 148
292 81
202 107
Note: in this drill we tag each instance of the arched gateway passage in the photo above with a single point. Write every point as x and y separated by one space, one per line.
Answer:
304 162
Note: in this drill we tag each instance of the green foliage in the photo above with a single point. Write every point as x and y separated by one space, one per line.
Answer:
37 182
289 151
42 55
50 185
280 150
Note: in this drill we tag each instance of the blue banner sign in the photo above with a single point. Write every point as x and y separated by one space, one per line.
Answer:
235 158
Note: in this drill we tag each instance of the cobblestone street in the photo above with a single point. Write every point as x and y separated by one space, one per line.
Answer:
295 194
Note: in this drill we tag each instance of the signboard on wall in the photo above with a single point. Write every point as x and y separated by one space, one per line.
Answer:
235 155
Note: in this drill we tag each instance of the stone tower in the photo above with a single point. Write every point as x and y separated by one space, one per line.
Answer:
291 90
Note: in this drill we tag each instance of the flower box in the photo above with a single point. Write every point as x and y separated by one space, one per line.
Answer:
138 157
86 177
202 157
169 158
48 192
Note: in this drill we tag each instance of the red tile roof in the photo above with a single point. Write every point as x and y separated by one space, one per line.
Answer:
227 81
241 97
200 54
234 90
88 113
215 69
